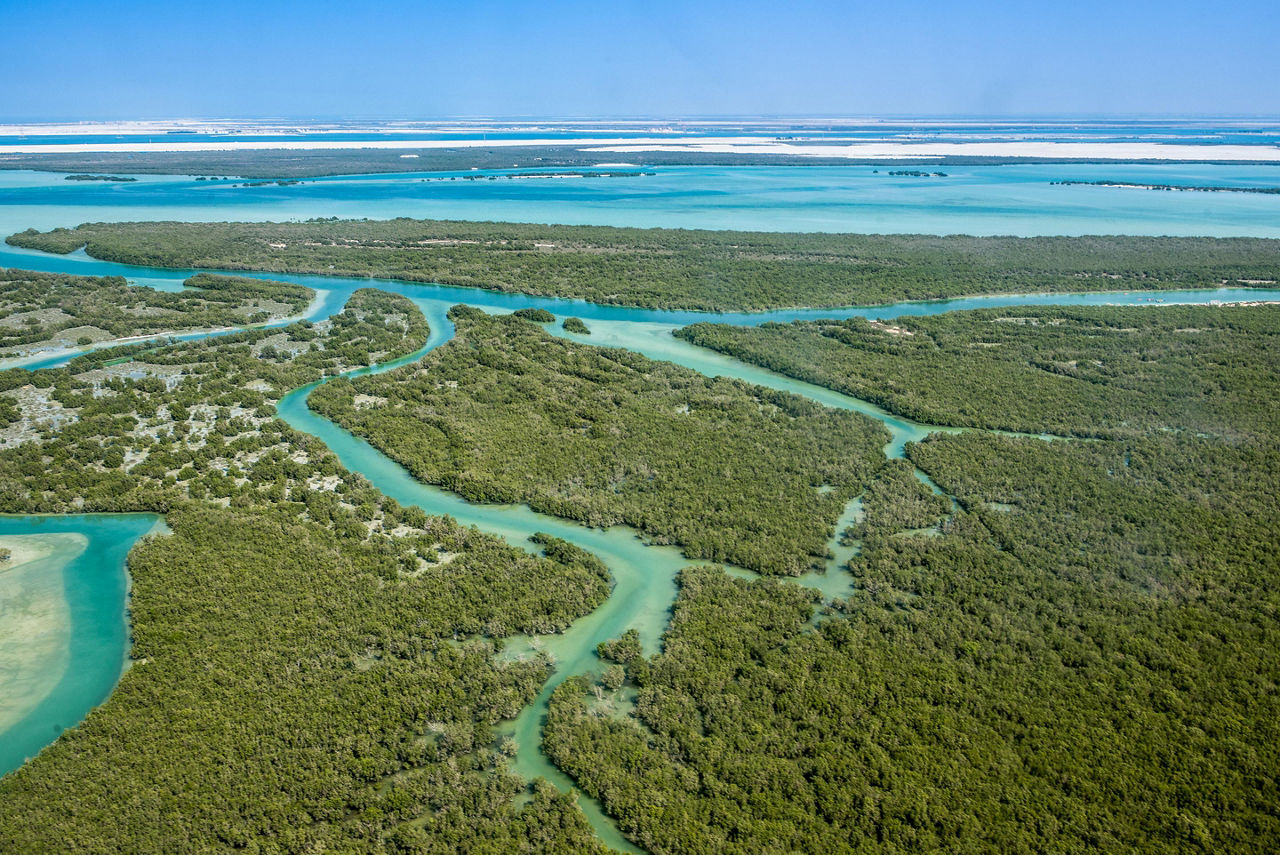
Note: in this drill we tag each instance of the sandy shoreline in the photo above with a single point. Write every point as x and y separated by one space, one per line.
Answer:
828 148
649 125
885 150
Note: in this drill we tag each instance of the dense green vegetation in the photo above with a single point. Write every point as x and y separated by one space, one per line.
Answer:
302 163
1074 647
310 673
84 177
538 316
36 308
1084 660
506 413
1081 655
897 501
1088 371
576 326
678 268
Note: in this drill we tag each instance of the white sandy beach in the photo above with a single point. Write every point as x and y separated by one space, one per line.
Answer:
880 150
828 148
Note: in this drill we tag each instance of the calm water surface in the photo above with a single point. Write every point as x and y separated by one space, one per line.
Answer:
983 200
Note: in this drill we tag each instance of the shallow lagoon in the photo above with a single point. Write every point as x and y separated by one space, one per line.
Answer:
980 200
64 638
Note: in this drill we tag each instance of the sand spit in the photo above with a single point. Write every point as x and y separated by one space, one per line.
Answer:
827 148
902 150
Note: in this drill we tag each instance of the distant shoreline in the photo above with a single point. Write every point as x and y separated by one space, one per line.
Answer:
409 157
1192 188
840 148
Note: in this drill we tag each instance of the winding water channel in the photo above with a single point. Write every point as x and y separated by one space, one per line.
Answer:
644 575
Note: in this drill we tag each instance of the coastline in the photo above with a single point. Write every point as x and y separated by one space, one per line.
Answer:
888 150
832 147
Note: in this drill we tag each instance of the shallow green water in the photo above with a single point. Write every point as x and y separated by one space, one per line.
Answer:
75 595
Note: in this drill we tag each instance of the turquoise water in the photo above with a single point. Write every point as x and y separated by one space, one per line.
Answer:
94 587
984 200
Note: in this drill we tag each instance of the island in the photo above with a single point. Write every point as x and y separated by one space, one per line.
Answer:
43 313
680 268
86 177
1193 188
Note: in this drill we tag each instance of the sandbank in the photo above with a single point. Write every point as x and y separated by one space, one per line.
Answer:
889 150
35 619
24 550
827 148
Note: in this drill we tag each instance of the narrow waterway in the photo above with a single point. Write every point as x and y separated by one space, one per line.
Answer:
644 575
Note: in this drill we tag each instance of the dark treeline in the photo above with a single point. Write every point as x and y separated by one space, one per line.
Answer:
314 663
1087 371
85 177
679 268
507 413
1200 188
538 316
303 163
39 307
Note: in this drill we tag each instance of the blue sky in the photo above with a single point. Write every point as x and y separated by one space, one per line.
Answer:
72 59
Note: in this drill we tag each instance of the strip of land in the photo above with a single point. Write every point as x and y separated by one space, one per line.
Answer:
680 268
1183 187
841 148
44 314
